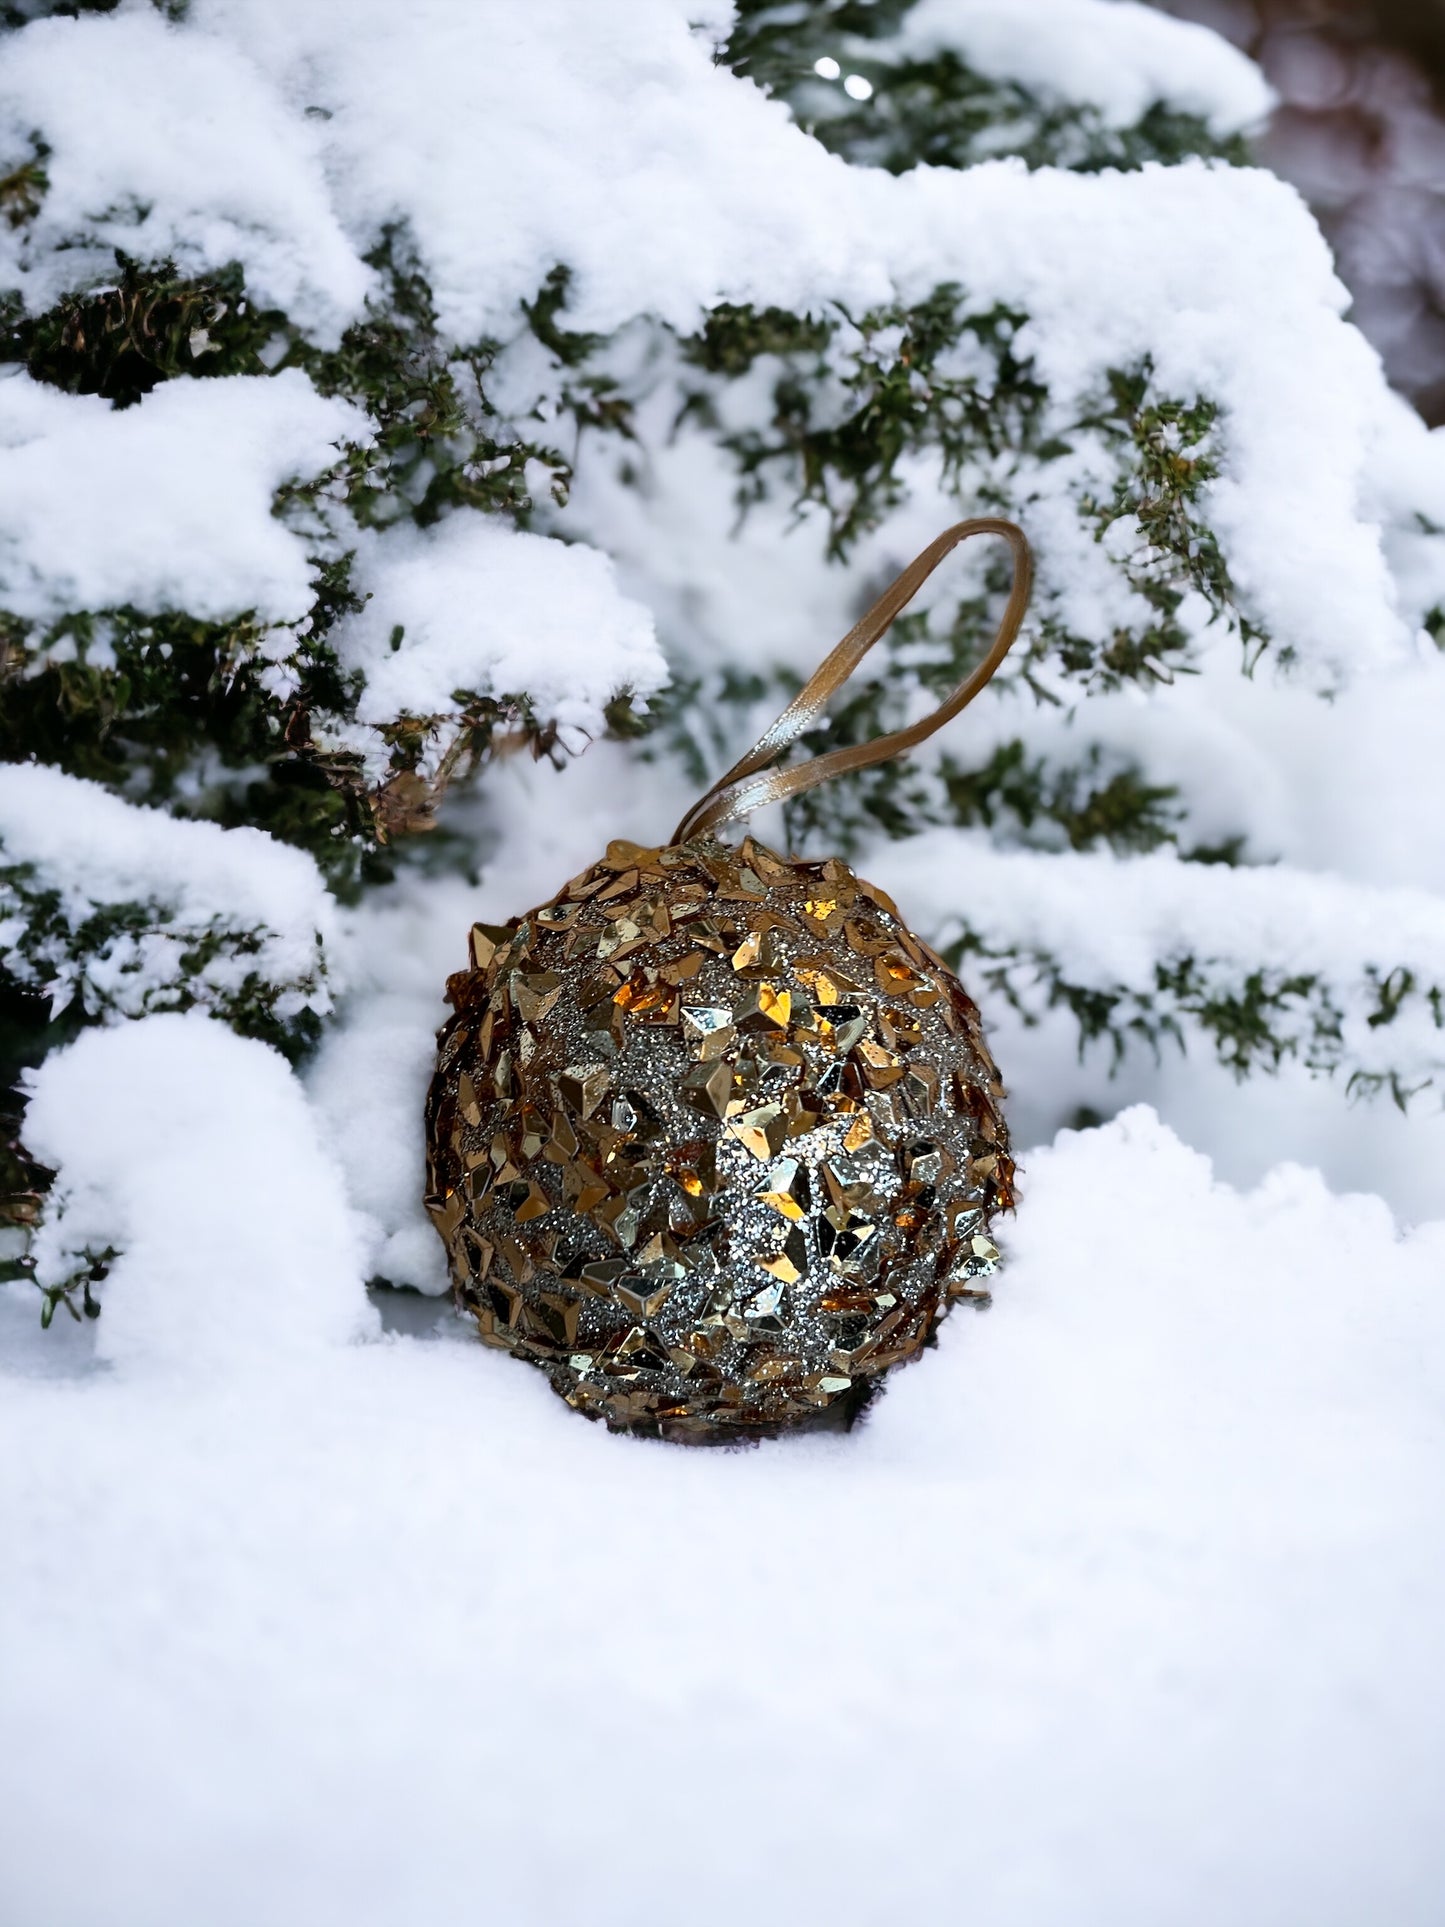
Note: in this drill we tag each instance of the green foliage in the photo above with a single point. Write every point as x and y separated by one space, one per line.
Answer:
17 12
23 188
854 408
935 109
1085 803
173 710
775 42
93 1269
1256 1019
733 338
130 959
1166 459
907 388
439 444
145 703
153 325
28 1033
1025 798
854 404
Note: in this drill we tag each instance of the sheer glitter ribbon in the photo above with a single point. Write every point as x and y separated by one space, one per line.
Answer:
749 784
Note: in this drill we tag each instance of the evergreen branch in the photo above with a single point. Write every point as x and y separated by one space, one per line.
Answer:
854 405
934 108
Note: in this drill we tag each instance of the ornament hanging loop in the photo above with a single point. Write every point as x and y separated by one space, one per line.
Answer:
749 784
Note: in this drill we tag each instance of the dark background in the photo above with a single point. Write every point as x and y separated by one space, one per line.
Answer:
1360 130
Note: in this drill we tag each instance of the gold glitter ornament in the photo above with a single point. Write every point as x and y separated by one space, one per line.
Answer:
714 1139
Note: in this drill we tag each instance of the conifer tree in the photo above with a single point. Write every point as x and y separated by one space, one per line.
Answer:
315 502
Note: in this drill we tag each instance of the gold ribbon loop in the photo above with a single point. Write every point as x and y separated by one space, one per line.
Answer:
742 789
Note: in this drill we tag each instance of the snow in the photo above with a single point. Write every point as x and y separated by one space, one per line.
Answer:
1262 756
192 1151
697 188
1116 56
1122 1605
166 505
485 608
228 172
262 904
1116 920
369 1078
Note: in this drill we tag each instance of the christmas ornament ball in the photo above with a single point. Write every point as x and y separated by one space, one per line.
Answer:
714 1140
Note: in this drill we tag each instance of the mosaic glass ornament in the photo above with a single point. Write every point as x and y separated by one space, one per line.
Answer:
714 1139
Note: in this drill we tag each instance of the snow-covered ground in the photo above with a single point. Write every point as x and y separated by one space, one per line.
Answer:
1124 1604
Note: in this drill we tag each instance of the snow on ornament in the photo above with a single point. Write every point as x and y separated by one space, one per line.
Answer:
714 1139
